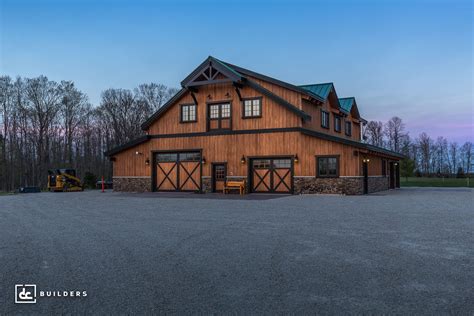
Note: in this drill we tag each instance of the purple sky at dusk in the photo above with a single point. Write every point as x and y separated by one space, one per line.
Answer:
412 59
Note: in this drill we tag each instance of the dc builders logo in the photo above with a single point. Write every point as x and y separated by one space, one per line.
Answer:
27 294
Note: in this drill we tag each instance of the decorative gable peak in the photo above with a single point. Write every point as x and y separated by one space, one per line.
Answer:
211 71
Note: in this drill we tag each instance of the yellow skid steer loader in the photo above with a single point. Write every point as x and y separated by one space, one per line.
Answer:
64 180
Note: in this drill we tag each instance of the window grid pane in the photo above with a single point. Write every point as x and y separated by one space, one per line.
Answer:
252 108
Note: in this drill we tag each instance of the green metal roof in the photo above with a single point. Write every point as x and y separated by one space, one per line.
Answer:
346 103
321 89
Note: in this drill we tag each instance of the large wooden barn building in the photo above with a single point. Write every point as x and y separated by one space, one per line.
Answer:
229 123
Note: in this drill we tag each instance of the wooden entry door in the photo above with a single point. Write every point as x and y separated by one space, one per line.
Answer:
177 171
271 175
219 175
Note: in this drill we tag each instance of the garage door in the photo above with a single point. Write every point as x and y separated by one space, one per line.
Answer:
178 171
274 175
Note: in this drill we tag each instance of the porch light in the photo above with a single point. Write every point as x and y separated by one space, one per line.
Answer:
366 160
138 153
396 164
203 160
147 162
242 160
296 158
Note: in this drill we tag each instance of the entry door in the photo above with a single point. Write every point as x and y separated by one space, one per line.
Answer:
178 171
365 170
219 174
274 175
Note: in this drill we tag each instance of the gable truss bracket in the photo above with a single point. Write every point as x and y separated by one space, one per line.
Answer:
237 90
194 97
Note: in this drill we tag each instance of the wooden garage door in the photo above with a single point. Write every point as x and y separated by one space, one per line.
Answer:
178 171
272 175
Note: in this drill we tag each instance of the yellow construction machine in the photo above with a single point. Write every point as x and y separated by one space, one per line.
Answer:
64 180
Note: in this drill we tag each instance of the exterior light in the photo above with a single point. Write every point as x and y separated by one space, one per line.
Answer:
242 160
138 153
203 160
296 158
147 162
396 164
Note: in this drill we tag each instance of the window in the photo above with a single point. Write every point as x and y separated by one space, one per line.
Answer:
337 123
324 119
348 128
261 164
188 113
282 163
171 157
327 166
190 156
384 167
219 116
252 108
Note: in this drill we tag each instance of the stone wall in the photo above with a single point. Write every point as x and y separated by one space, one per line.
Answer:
377 184
302 185
131 184
345 185
206 184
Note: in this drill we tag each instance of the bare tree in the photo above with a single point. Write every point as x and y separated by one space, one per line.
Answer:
394 130
425 144
453 154
374 133
466 154
154 95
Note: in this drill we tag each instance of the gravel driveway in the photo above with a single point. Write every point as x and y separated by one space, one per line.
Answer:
404 251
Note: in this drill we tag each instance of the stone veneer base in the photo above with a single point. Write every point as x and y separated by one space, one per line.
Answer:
132 184
302 185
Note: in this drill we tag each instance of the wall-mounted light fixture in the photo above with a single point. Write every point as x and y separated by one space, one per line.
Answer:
138 153
209 97
227 95
147 161
242 160
366 160
396 164
203 160
296 158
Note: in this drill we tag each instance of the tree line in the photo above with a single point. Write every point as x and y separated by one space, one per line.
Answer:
46 125
49 125
425 156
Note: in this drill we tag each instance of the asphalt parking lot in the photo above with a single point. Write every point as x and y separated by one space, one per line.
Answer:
398 252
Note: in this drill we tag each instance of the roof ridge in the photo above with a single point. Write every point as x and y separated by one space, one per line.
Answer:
316 84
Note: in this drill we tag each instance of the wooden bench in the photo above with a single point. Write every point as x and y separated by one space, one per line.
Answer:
238 185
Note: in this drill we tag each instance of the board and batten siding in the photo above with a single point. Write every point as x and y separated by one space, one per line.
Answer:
230 149
273 114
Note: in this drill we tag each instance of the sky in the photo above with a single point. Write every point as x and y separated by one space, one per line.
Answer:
412 59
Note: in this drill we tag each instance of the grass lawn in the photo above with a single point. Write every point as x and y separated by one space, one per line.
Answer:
435 182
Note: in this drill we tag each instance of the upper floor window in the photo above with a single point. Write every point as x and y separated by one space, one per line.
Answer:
252 108
337 123
327 166
188 113
348 128
324 119
219 116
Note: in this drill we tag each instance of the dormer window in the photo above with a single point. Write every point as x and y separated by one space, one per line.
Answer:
324 119
188 113
348 128
252 108
337 123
